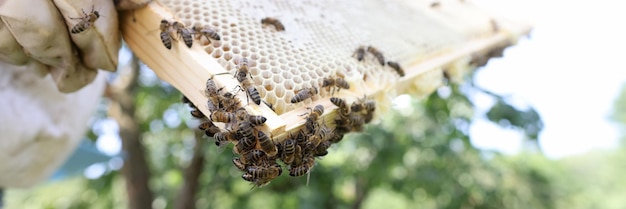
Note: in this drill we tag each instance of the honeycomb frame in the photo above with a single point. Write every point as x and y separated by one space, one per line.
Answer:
187 69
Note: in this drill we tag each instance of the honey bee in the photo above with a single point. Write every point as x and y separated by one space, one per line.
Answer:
209 128
223 137
240 165
356 107
229 101
264 172
247 141
396 67
342 122
370 107
245 130
183 32
186 100
325 132
197 113
337 135
301 139
379 56
255 157
269 105
86 21
272 21
316 112
255 120
211 89
355 123
254 95
304 168
244 145
435 4
322 149
241 114
166 35
446 77
360 53
338 83
341 104
260 175
223 117
304 94
359 105
267 144
212 92
242 70
289 150
211 105
248 176
246 85
313 116
208 32
312 142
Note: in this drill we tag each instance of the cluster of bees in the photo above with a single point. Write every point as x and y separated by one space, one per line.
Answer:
186 34
254 145
259 154
352 117
360 55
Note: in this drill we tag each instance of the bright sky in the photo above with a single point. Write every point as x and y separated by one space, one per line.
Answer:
570 70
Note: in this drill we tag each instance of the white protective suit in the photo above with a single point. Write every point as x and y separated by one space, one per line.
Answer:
49 81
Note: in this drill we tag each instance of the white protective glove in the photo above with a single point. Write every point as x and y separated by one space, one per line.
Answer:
43 118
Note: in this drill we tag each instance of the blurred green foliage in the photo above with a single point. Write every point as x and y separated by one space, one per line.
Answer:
416 157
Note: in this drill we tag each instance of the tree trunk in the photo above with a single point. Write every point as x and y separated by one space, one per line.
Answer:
186 196
122 109
361 193
1 198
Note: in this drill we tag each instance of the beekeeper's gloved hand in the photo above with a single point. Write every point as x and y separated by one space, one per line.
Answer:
41 125
36 34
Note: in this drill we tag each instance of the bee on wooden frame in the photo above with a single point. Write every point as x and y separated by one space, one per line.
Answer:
337 82
183 32
206 31
304 94
166 33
